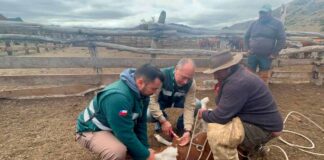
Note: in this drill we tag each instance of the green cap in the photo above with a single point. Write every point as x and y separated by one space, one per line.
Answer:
266 8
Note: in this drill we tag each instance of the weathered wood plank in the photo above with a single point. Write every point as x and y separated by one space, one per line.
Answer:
307 34
289 81
317 48
28 38
291 62
87 62
292 75
53 91
33 80
158 51
70 79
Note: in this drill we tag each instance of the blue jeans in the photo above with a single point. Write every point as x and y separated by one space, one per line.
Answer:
263 62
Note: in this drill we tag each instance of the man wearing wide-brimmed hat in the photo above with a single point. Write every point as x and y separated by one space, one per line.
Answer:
264 39
246 115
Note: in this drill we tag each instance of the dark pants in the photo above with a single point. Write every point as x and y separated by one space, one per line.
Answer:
254 138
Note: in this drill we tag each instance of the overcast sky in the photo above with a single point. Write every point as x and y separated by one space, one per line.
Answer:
129 13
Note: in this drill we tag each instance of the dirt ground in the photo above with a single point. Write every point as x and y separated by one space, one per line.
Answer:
44 129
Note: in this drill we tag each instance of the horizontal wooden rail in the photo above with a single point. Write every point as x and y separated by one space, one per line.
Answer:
33 80
88 62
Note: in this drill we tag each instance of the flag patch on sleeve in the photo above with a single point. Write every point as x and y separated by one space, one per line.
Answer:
123 113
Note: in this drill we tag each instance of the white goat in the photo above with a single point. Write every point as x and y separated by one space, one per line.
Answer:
169 153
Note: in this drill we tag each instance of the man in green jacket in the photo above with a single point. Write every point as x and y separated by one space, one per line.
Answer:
114 123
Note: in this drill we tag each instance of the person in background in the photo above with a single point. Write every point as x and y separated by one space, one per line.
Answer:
264 40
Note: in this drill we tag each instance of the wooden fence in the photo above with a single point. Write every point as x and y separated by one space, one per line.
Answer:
80 83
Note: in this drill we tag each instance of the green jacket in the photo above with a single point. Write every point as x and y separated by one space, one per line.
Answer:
170 92
123 111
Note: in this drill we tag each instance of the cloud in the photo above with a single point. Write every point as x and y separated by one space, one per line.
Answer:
129 13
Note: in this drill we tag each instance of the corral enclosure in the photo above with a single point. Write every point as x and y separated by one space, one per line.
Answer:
44 128
43 90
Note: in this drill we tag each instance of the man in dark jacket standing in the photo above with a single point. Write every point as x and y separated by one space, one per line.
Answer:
115 120
244 102
264 39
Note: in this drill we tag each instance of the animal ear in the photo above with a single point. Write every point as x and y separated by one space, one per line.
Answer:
204 102
162 140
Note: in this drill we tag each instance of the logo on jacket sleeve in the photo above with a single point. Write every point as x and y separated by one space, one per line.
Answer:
123 113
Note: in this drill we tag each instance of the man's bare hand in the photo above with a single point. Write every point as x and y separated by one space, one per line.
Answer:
200 111
152 154
185 139
166 127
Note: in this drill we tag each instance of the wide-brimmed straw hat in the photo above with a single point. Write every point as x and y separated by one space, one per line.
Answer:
224 59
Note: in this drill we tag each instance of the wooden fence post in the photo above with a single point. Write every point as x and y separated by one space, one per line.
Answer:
46 47
37 48
94 57
26 48
8 48
317 73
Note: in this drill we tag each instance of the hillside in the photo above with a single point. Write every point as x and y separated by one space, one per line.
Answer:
302 15
17 19
2 18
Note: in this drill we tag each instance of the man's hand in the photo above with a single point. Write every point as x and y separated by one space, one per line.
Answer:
200 111
185 139
166 127
152 155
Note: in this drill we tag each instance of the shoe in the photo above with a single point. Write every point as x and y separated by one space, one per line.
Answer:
261 151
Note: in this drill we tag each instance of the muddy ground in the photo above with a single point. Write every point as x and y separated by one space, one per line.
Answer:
44 129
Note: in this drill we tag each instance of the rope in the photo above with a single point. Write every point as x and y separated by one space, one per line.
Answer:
282 150
192 137
296 145
300 147
209 155
202 150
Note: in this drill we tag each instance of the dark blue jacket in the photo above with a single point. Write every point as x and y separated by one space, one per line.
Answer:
265 38
245 95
